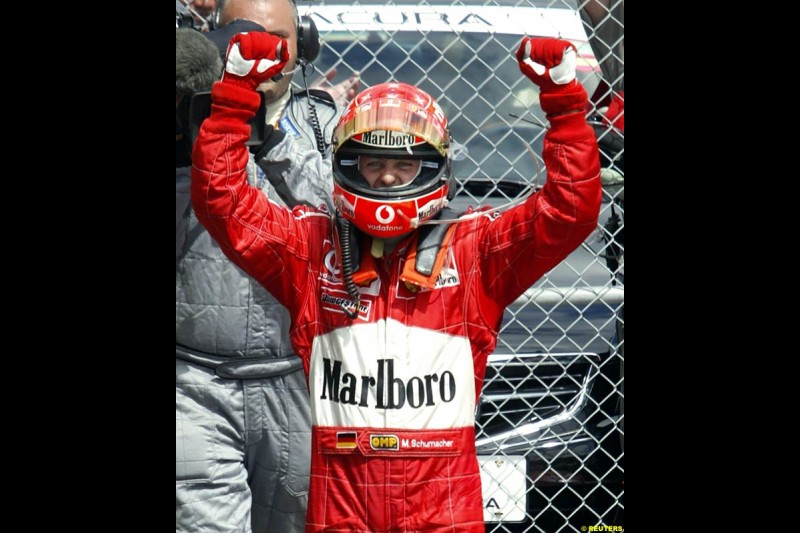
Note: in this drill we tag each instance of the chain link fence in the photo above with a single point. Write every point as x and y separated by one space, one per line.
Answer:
550 420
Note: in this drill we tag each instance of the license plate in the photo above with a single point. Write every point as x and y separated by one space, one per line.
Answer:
503 484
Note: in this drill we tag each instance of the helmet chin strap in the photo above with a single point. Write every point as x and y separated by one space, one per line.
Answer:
376 250
381 246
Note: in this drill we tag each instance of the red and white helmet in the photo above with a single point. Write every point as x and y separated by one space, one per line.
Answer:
393 120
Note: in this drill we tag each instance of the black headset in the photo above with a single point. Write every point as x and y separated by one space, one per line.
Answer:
307 39
307 36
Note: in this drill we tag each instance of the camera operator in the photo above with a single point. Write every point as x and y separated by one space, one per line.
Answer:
243 421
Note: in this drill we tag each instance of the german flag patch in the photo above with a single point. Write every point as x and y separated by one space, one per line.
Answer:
345 440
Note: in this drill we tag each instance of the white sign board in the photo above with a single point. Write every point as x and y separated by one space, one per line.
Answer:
533 21
503 484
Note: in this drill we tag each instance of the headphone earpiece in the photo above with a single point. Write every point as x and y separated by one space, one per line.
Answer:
307 35
307 39
213 20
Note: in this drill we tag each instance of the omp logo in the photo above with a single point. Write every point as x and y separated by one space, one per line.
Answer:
384 442
384 214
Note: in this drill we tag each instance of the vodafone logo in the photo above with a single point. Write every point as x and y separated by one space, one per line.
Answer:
384 214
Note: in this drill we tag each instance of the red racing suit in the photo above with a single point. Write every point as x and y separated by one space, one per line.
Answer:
393 392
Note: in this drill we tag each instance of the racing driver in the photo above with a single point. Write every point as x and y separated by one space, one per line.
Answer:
396 302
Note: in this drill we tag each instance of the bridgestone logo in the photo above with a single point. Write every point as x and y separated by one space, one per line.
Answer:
387 139
391 392
328 299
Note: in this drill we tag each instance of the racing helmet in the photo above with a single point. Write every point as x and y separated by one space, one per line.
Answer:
399 121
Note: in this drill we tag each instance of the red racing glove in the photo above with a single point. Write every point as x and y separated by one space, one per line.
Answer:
253 58
550 64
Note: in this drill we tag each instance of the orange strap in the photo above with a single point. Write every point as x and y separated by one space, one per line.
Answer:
367 271
413 279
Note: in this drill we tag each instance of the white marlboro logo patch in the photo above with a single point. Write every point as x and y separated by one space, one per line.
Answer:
387 139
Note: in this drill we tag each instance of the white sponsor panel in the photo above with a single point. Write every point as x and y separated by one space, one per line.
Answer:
428 444
448 277
515 20
503 488
431 207
391 375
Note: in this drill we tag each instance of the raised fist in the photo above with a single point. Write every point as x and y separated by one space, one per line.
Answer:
253 58
548 62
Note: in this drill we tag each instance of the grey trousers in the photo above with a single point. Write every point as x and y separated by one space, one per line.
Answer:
242 452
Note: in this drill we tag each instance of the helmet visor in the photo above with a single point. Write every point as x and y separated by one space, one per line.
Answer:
389 172
388 176
392 124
